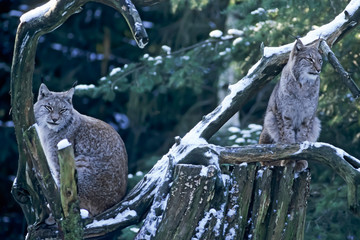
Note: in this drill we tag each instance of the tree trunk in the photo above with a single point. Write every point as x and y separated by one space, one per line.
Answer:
244 202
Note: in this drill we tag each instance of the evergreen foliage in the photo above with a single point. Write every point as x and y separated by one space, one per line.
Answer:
152 95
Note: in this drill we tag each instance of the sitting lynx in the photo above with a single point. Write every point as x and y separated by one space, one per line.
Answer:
100 154
291 113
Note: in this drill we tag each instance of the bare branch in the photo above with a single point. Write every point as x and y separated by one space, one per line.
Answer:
345 76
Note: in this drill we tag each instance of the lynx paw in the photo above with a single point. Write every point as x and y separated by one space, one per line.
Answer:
301 165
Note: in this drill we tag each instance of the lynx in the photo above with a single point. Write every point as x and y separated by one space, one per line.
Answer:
291 112
100 154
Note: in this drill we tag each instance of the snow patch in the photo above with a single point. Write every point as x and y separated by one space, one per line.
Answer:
216 34
260 173
269 51
38 12
253 68
166 49
233 31
303 146
259 11
84 87
63 144
232 211
84 213
232 137
255 127
244 164
126 214
234 129
237 41
204 171
186 58
240 140
115 71
135 229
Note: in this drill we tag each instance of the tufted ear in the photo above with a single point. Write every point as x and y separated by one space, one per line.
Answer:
316 43
43 91
69 94
298 45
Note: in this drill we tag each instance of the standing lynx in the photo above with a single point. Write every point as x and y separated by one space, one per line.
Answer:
291 113
100 154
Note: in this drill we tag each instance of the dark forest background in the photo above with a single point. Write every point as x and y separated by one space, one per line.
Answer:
153 94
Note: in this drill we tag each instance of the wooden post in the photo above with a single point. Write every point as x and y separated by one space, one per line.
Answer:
71 223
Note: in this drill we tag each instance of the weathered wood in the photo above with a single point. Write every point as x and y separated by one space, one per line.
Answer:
295 221
190 196
344 75
241 184
42 171
261 203
71 224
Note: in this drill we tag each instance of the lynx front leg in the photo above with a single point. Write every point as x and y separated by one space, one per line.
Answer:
309 131
287 132
288 136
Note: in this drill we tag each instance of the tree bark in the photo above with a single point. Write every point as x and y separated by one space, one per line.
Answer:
71 224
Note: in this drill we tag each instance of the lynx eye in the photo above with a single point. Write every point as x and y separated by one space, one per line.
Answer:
310 59
63 110
320 61
49 108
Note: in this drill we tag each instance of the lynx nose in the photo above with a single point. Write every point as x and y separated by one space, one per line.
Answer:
54 118
318 68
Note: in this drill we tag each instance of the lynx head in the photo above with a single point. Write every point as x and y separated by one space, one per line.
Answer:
306 61
54 109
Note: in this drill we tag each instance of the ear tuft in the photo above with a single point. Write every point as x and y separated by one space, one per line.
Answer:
299 45
69 94
43 91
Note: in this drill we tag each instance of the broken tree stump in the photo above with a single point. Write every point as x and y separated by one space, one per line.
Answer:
243 202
